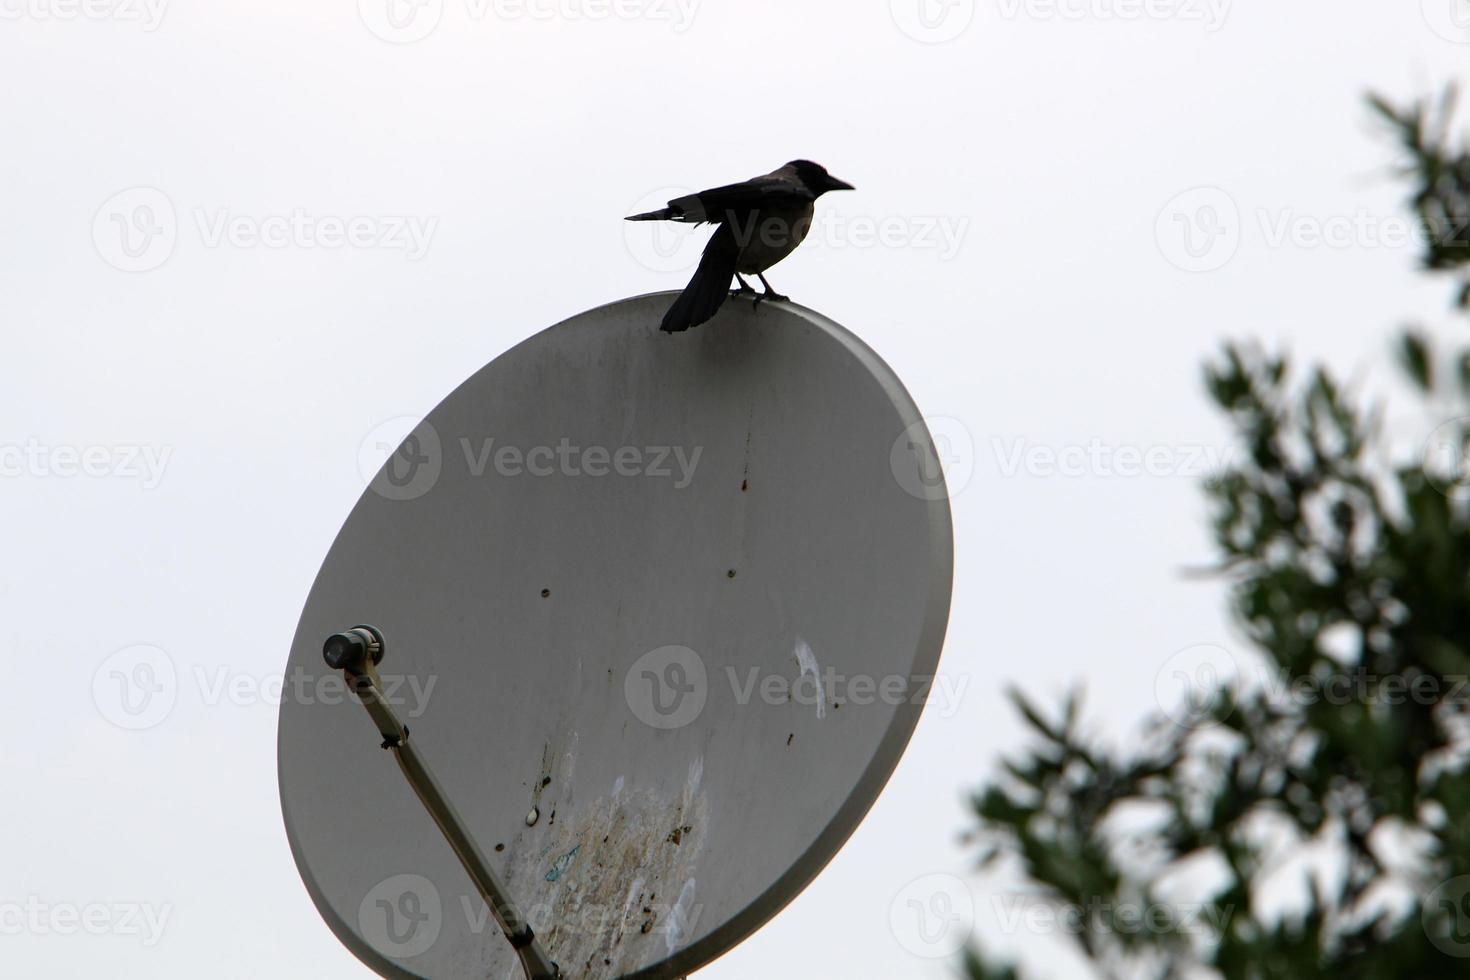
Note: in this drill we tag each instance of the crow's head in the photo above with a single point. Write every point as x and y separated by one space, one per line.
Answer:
816 178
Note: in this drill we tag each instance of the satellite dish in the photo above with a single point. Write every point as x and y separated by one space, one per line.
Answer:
660 612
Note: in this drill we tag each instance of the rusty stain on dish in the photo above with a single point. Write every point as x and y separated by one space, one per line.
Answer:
589 884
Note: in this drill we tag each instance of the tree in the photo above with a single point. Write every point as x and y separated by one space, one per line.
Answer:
1349 573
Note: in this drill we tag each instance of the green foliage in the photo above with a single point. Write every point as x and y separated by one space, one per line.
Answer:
1441 176
1350 575
1414 355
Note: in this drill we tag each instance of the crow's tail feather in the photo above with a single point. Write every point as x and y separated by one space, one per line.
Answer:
709 288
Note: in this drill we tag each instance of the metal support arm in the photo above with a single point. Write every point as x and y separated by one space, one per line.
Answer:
357 653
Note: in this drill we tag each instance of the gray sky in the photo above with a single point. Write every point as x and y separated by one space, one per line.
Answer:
1062 209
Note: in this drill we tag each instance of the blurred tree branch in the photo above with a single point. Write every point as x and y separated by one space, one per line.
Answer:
1346 569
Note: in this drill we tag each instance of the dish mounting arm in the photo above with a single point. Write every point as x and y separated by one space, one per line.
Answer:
357 653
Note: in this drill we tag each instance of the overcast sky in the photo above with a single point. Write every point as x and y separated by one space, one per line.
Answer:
235 238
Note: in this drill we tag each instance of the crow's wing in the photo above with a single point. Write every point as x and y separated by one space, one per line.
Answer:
720 203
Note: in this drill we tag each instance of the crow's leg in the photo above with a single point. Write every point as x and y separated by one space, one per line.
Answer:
769 293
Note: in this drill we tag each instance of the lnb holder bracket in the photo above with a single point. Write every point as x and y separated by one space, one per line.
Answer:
357 652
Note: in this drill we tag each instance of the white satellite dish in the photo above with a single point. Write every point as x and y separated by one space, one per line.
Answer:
660 613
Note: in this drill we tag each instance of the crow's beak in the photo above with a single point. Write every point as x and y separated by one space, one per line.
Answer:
833 184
